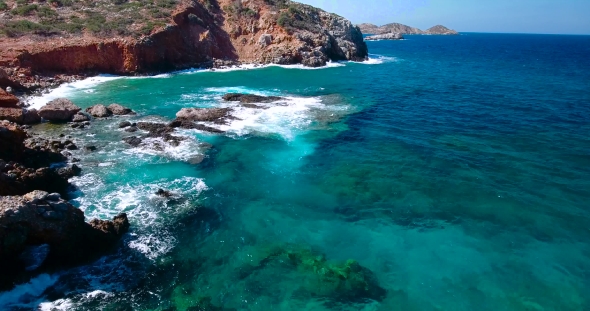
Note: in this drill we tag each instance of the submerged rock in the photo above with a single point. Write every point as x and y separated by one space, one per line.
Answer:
163 193
250 98
340 281
59 110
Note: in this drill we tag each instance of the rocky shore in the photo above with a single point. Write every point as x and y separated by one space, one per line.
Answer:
39 229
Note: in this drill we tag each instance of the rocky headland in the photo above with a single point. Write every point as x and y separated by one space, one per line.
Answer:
44 43
404 29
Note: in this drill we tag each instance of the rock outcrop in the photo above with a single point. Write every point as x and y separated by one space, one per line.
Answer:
25 164
250 98
59 110
404 30
198 33
7 100
39 218
216 115
119 110
387 36
98 111
440 30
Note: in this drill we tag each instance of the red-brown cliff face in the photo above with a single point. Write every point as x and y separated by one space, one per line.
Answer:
253 31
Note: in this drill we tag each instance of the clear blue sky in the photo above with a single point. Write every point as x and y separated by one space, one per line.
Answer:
522 16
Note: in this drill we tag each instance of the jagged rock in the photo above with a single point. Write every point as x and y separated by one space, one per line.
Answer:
132 140
387 36
12 139
190 125
218 115
265 40
119 110
12 114
249 98
98 111
59 110
31 116
163 193
80 117
131 129
39 218
8 100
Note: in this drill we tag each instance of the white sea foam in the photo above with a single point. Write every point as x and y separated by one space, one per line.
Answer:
66 89
26 295
68 304
285 117
378 59
153 246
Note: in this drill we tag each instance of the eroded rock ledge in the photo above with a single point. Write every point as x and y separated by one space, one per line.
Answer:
42 219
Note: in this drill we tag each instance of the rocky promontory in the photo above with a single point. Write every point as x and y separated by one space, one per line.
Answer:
404 29
38 42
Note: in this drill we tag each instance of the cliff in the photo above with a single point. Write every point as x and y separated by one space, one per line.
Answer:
144 36
404 30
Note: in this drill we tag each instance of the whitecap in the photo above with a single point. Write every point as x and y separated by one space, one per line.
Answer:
27 295
67 89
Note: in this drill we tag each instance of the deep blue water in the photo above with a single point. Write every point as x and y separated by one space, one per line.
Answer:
455 169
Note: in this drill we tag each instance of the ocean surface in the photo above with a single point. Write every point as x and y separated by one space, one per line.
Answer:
446 173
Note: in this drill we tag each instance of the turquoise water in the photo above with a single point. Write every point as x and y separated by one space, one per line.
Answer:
454 170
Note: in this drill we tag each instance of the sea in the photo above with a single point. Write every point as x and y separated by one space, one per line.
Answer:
445 173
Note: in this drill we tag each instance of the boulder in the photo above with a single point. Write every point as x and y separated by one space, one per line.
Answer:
98 111
204 114
59 110
119 110
80 117
8 100
12 139
124 124
249 98
39 218
132 140
15 115
31 116
265 40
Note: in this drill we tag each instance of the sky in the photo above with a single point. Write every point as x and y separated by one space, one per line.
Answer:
511 16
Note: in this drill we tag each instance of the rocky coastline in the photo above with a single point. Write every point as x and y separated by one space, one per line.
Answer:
39 229
196 34
387 36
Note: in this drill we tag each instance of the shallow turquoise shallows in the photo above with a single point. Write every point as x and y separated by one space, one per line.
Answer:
447 173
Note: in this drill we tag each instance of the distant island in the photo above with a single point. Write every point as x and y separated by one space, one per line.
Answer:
404 29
